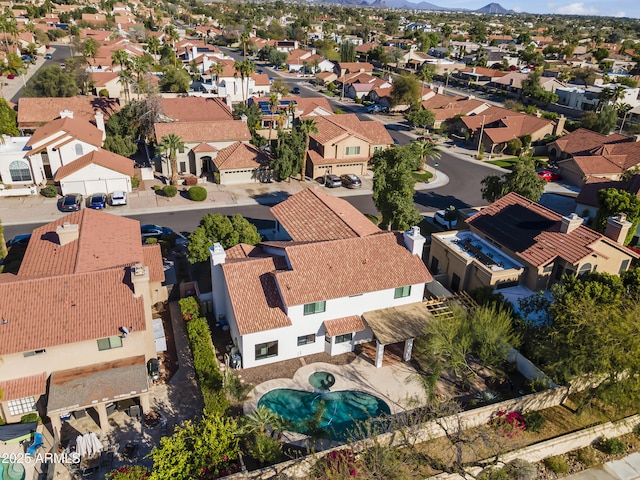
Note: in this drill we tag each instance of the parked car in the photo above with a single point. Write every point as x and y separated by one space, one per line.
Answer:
97 201
330 181
118 197
48 56
296 90
71 202
156 231
20 240
439 219
426 138
351 181
377 108
548 175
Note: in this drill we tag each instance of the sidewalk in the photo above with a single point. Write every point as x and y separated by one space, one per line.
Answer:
38 209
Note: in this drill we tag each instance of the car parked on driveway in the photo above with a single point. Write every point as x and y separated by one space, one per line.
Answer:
296 90
548 175
71 202
377 108
97 201
118 197
330 181
439 219
156 231
350 180
48 56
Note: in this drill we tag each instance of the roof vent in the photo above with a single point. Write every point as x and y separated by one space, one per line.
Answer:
66 114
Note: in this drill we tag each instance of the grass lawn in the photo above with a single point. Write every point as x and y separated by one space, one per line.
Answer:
422 176
503 162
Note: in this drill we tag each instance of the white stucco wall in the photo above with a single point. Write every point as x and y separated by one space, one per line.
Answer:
95 179
66 154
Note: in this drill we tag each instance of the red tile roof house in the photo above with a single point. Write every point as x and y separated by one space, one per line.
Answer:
585 154
517 242
587 200
36 112
77 327
307 107
337 283
344 144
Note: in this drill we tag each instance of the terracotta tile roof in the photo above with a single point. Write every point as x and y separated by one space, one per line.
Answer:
31 386
532 231
102 78
309 104
240 155
598 165
626 154
224 131
440 101
242 251
581 140
67 308
56 130
490 115
254 296
104 241
487 72
196 109
313 215
515 127
35 112
152 258
589 192
332 127
101 157
204 147
352 266
355 66
344 325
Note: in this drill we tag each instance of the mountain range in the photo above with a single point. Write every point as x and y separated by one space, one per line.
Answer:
489 8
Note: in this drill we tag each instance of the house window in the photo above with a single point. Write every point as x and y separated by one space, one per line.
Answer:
352 150
79 150
307 339
586 268
434 265
624 266
109 343
22 406
266 350
20 172
344 338
402 292
183 166
316 307
455 282
33 353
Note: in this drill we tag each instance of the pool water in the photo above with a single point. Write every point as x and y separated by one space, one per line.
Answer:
322 380
339 410
11 471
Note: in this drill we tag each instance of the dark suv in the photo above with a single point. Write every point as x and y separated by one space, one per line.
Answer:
351 181
71 202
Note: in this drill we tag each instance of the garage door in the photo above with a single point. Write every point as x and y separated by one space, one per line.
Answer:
72 187
95 186
232 177
114 184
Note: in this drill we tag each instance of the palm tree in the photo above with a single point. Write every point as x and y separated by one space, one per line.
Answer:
153 44
120 57
245 68
425 74
125 78
428 150
307 126
217 69
292 112
171 143
244 40
273 108
91 48
140 66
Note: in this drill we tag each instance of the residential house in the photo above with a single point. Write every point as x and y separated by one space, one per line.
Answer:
108 82
288 109
479 75
233 88
77 327
446 108
517 242
36 112
589 154
344 144
346 286
343 68
589 98
512 82
360 85
308 61
239 163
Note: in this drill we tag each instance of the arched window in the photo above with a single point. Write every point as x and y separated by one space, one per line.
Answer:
586 268
20 172
79 149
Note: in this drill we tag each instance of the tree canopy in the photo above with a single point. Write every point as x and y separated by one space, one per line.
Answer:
217 228
51 81
523 179
421 118
611 202
8 119
405 90
175 80
393 187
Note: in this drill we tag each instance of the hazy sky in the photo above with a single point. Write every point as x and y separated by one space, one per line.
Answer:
615 8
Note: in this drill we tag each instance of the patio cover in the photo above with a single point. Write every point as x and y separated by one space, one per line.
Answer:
344 325
17 432
397 324
103 382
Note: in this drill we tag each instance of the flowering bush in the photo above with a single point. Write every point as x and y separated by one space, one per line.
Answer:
337 465
509 424
189 308
128 472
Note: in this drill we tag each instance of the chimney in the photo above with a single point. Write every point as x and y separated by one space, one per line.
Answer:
99 116
440 90
559 126
637 138
67 233
66 114
218 284
473 70
414 241
194 52
570 223
617 228
140 280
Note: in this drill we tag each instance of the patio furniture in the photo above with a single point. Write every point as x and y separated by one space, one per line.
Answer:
134 411
37 443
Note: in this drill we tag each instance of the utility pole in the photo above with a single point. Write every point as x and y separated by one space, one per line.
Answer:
481 133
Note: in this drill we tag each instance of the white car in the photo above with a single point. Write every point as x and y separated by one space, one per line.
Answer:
438 218
118 198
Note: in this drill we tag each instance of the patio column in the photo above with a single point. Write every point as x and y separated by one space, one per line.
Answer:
56 426
408 347
144 403
101 408
379 354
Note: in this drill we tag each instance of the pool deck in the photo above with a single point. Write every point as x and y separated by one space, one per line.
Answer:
396 384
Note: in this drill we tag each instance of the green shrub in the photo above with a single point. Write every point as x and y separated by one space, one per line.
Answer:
103 93
534 421
189 308
30 417
586 456
49 191
155 188
198 194
216 177
493 473
170 191
265 449
612 446
556 464
519 469
135 181
538 385
151 241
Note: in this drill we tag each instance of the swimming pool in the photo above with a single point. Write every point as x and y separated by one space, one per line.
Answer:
322 380
338 411
11 470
